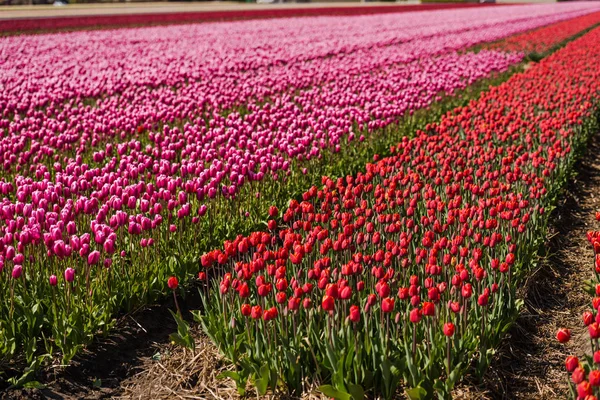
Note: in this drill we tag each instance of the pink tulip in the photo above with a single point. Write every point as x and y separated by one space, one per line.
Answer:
69 274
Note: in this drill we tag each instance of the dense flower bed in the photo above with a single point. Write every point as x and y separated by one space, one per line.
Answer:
544 39
20 25
48 69
104 198
122 221
405 274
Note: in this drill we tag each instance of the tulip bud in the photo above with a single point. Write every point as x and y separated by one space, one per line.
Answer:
172 282
588 318
328 303
563 335
69 274
584 389
246 310
354 313
578 375
53 280
571 363
449 329
594 378
415 315
387 305
17 271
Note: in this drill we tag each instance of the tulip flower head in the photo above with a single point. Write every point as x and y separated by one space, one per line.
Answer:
173 283
563 335
69 274
17 271
449 329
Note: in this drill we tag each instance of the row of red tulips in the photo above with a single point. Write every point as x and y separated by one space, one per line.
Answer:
404 276
538 42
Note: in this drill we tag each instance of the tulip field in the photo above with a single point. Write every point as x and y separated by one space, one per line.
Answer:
357 199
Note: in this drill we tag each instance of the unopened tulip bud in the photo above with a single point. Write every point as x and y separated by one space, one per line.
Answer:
69 274
563 335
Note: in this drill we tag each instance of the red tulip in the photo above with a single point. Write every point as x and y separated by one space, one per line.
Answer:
578 375
332 290
360 286
594 330
173 283
588 318
415 315
483 300
354 313
584 389
243 290
387 305
594 378
467 290
346 293
307 303
571 363
449 329
256 312
246 310
563 335
328 303
273 211
270 314
280 297
383 289
428 309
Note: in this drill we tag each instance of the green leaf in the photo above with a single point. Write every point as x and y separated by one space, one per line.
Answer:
416 393
240 381
357 392
262 381
330 391
97 383
34 385
338 376
229 374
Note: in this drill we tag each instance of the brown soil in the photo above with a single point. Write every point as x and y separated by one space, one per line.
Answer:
183 374
530 362
99 371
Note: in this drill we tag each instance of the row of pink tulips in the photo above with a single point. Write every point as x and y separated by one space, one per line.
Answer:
46 69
